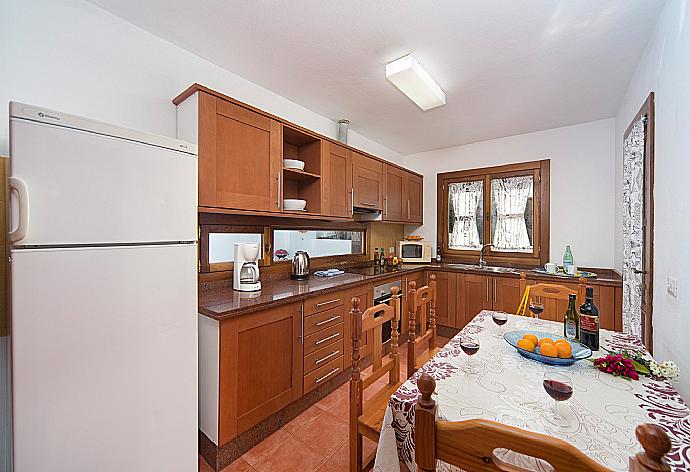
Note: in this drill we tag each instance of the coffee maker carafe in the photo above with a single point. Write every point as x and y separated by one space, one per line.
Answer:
246 267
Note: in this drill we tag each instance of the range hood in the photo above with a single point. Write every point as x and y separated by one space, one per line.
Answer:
366 214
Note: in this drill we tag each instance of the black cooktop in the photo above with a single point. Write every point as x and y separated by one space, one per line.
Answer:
371 271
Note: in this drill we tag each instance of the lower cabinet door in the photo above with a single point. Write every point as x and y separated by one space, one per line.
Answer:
477 295
506 294
323 374
446 288
260 367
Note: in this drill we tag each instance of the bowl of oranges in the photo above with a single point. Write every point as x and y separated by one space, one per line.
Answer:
548 348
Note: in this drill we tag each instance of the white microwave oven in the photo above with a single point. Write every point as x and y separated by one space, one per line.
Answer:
414 251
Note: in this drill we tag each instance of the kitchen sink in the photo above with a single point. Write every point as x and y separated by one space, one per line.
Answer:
487 268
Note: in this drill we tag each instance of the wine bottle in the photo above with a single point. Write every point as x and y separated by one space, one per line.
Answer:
376 256
571 320
589 321
567 259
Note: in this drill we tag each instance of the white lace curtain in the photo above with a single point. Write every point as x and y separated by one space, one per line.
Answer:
509 197
464 198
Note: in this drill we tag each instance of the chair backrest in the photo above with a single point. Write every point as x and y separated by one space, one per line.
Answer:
480 445
372 321
421 302
549 294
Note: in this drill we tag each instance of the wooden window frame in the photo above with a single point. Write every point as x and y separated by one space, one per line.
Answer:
540 170
323 261
204 245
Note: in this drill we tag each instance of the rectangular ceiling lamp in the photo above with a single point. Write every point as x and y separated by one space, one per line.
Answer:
407 74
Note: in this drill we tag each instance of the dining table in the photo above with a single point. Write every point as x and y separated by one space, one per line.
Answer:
599 419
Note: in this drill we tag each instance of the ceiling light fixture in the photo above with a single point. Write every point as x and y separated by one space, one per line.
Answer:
407 74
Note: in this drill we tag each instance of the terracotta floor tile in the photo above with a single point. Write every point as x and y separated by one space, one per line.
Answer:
328 466
341 458
331 399
303 419
240 465
341 409
324 435
290 456
266 447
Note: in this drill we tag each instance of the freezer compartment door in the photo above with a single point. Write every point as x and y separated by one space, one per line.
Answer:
88 188
104 358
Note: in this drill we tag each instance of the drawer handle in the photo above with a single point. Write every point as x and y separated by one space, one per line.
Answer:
327 339
320 379
333 318
327 303
334 353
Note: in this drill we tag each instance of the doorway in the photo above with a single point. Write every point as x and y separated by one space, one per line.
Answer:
638 223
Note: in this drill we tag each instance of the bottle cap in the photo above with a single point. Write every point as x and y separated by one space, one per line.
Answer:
572 297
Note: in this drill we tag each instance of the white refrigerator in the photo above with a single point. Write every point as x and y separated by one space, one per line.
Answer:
103 294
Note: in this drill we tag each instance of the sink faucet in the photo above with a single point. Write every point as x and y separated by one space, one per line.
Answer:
482 262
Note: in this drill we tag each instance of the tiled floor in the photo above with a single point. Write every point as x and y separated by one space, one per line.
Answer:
317 440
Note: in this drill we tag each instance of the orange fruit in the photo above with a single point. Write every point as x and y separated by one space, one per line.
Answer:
531 338
564 349
545 340
548 349
526 344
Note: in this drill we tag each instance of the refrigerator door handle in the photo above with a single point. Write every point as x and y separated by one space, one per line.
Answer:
19 186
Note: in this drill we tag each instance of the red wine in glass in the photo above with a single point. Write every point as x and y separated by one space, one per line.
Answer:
537 308
470 347
559 391
500 319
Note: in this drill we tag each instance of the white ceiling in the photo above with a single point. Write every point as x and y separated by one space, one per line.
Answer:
507 67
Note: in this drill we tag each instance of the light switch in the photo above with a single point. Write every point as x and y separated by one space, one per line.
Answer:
672 286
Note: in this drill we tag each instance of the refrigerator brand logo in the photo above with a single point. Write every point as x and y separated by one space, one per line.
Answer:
45 115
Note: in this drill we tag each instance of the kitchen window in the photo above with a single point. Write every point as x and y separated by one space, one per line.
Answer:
504 206
317 243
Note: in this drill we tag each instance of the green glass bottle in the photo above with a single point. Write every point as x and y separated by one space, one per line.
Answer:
571 320
567 259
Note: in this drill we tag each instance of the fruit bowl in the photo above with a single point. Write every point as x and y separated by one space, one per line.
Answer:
580 351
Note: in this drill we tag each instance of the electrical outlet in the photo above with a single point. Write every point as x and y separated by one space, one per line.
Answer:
672 286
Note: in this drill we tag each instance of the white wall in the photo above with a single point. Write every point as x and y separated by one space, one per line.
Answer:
581 183
74 57
665 70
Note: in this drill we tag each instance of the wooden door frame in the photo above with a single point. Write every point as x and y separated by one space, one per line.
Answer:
647 110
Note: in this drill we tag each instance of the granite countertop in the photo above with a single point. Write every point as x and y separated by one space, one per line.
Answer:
222 302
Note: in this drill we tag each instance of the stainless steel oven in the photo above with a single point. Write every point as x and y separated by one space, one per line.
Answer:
383 294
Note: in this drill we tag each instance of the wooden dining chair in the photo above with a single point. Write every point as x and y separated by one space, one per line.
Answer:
549 294
421 347
366 418
482 445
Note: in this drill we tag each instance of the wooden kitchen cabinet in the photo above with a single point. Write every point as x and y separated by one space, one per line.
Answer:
338 181
446 291
367 182
239 157
413 198
476 294
395 201
506 294
260 367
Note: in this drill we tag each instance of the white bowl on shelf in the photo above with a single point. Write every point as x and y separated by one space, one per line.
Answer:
293 164
294 204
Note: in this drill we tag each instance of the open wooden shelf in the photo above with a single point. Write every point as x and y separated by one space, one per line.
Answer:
297 174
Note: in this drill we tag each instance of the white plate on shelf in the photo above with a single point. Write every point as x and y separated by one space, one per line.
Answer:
293 164
294 204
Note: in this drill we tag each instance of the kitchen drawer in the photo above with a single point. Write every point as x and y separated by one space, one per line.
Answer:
324 302
323 356
323 320
323 374
327 336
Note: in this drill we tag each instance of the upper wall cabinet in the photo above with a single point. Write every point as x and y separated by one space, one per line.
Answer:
241 152
394 204
414 196
338 188
367 182
239 156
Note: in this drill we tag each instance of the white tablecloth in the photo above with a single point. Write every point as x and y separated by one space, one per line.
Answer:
603 411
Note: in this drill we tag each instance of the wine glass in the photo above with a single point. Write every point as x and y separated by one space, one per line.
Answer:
500 319
537 308
560 388
469 346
